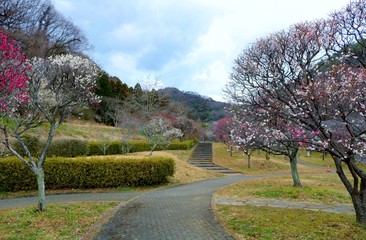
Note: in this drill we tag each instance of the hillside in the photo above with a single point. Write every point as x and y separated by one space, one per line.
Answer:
199 107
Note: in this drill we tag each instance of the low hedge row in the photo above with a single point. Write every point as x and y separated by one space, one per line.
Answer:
76 147
86 173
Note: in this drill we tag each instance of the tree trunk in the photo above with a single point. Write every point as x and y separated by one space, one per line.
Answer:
308 153
357 189
249 156
358 198
359 205
41 190
152 149
294 171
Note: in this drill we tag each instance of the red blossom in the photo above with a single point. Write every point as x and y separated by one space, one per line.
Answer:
13 75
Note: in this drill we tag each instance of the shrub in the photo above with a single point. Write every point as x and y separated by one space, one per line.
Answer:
140 146
96 148
84 172
68 148
185 145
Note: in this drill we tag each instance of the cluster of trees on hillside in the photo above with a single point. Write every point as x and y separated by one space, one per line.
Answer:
199 107
304 87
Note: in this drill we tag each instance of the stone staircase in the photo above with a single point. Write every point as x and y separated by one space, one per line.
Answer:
202 157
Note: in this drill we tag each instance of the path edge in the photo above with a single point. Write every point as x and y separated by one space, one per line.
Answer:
97 227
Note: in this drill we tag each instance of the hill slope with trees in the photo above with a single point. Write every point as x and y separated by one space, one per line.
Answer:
199 107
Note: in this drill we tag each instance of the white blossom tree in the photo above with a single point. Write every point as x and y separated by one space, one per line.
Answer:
56 86
159 131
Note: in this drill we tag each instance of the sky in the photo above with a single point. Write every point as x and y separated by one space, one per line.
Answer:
187 44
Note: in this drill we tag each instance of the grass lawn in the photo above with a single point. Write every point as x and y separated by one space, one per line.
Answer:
59 221
250 222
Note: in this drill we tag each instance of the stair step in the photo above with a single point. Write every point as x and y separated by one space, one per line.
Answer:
202 157
199 162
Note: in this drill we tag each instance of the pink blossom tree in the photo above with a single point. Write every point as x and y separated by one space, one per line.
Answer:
222 131
254 131
246 137
293 75
56 86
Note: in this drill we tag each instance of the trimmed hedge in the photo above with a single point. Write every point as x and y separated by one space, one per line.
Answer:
68 148
110 148
75 147
87 173
96 148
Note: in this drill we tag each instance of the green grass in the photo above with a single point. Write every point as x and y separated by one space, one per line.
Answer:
66 221
317 158
325 188
251 222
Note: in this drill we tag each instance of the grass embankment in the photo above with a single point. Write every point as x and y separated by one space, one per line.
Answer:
319 186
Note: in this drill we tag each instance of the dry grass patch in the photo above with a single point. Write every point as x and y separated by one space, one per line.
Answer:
84 130
259 163
66 221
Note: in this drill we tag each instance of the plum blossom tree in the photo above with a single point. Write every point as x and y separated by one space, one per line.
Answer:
292 75
246 137
13 75
56 86
159 131
253 131
222 132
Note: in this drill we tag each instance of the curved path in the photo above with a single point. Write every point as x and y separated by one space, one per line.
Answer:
182 212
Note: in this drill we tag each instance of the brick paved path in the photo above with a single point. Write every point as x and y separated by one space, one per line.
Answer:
182 212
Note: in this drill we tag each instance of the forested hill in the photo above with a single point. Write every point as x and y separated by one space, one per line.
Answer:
199 107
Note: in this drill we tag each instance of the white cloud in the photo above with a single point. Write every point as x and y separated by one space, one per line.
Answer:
191 44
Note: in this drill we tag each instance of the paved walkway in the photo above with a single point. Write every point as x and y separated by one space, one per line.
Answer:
74 197
260 202
182 212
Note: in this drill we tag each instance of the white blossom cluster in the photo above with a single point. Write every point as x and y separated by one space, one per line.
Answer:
62 81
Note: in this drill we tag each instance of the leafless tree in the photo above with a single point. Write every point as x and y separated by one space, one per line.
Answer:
40 28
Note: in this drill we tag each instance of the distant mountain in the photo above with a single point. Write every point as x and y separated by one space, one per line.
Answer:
200 107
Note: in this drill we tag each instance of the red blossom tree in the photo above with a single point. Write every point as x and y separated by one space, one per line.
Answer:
13 75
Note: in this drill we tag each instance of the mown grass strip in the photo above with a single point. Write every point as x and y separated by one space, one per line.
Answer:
59 221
